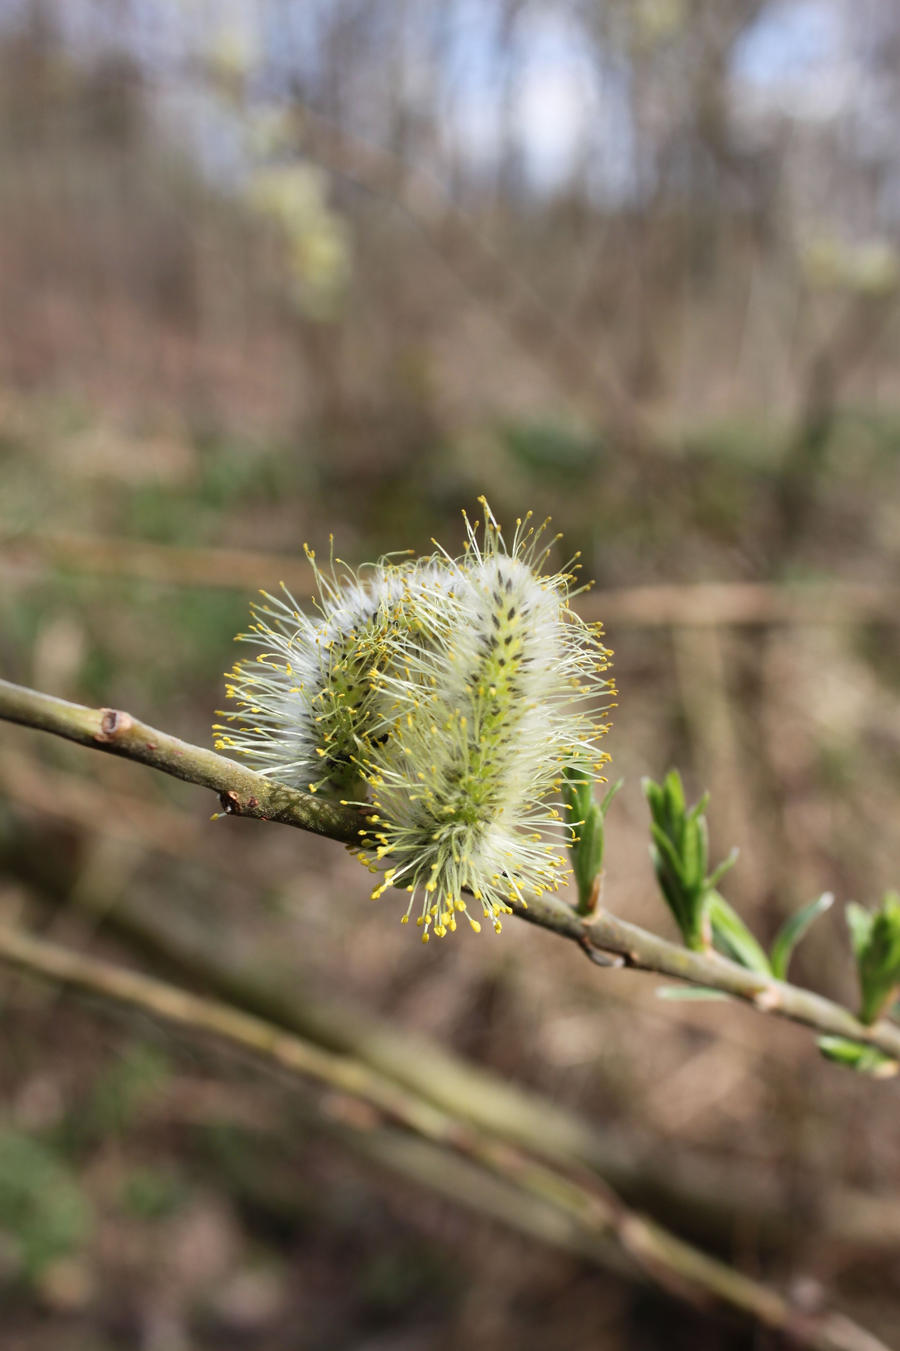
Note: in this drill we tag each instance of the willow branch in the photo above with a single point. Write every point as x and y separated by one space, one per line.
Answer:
587 1210
242 792
642 950
246 793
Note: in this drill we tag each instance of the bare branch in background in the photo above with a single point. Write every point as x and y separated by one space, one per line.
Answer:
587 1216
701 605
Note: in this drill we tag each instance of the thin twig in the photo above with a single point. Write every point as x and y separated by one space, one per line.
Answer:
702 605
246 793
242 792
645 951
589 1207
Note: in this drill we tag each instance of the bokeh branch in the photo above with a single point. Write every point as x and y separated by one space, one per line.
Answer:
582 1209
246 793
511 296
663 605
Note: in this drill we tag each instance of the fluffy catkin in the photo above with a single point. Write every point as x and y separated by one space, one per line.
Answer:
482 716
306 705
446 695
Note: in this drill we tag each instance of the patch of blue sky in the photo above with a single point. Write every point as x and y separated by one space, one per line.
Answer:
567 110
799 59
790 38
290 41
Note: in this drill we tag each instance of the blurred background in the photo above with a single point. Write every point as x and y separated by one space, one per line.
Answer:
273 270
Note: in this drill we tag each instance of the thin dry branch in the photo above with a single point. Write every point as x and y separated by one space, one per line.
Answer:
680 1186
246 793
584 1210
700 605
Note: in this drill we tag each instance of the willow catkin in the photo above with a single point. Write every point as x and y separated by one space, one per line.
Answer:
483 717
446 695
305 705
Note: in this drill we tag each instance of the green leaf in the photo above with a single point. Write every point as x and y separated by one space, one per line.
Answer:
859 922
725 866
875 936
573 787
732 934
694 851
586 833
576 780
587 820
680 854
857 1056
674 794
587 853
792 930
653 793
669 854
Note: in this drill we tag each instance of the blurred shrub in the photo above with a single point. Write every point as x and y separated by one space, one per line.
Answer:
293 197
43 1210
552 450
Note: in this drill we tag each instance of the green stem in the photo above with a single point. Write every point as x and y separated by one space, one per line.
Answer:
242 792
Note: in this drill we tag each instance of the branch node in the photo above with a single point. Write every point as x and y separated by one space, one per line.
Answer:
613 960
231 803
113 723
